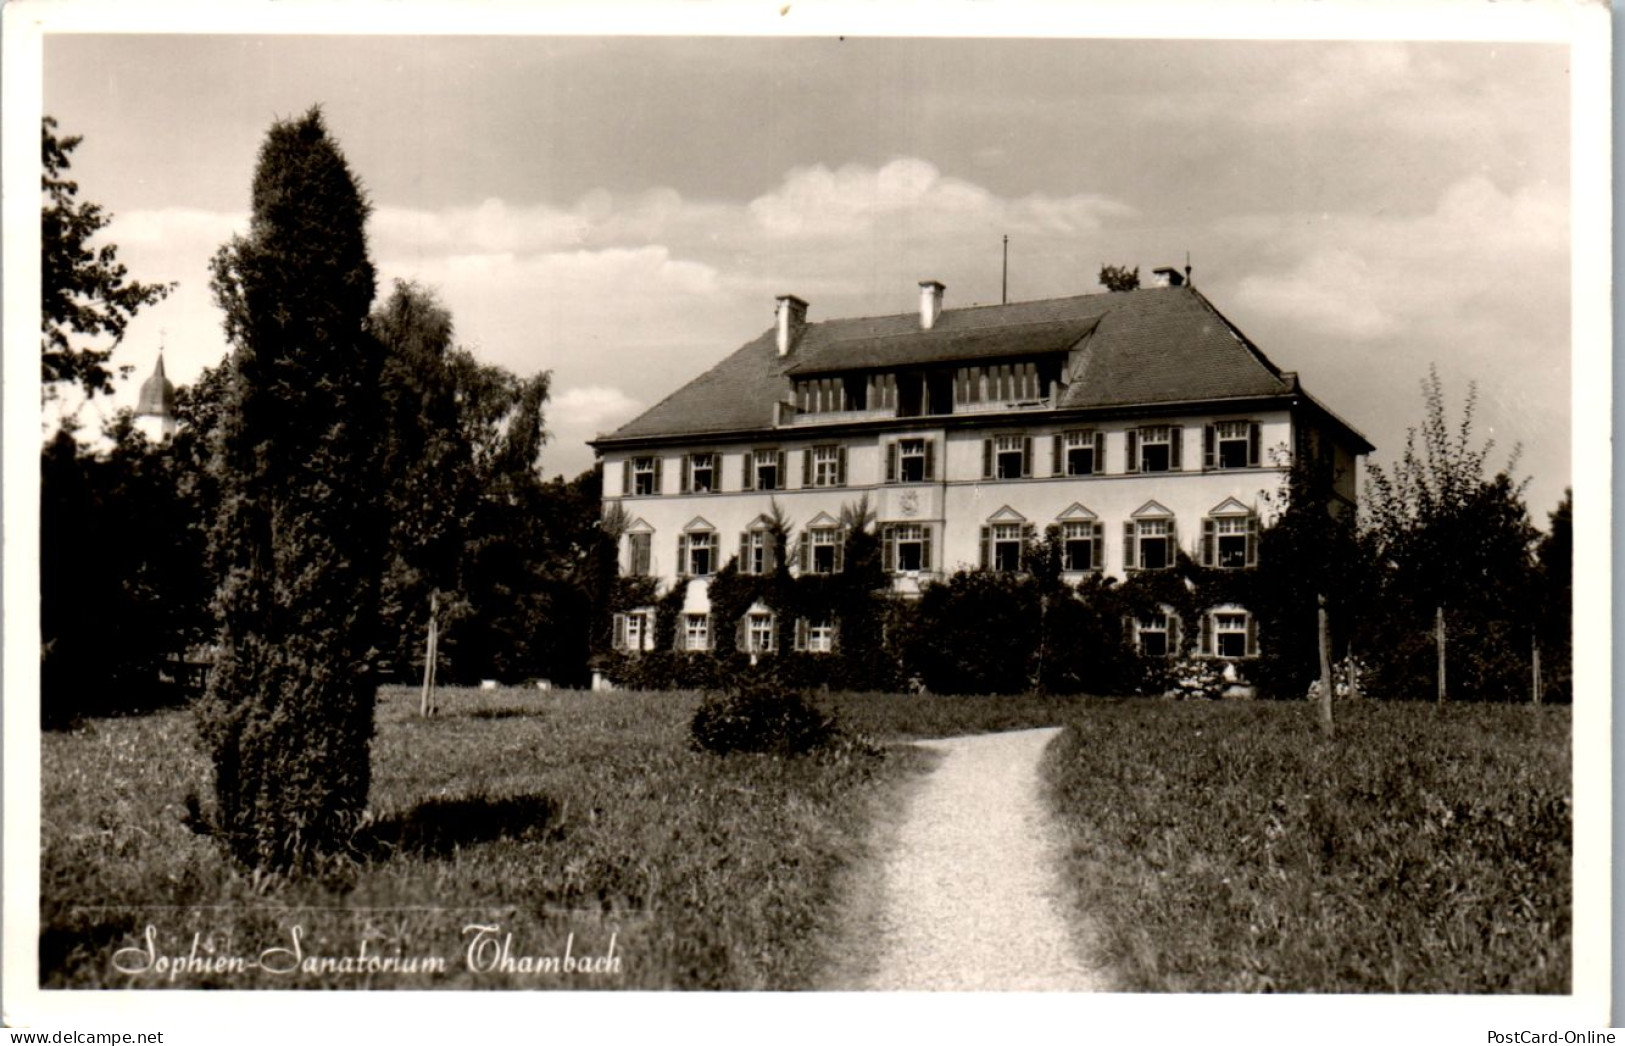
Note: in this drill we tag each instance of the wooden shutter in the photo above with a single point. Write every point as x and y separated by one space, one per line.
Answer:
617 632
1207 633
987 459
1026 455
682 555
783 476
1253 441
1173 543
770 552
925 533
804 552
1252 541
806 467
744 552
930 459
1176 443
987 547
840 550
840 466
626 476
1097 547
1128 547
1210 542
748 477
742 633
1210 446
1133 459
1058 456
1174 635
801 633
658 489
888 549
834 634
685 476
1100 453
1028 533
1252 635
891 462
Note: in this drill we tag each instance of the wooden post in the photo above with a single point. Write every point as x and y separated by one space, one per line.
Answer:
1325 668
1534 682
1439 641
427 706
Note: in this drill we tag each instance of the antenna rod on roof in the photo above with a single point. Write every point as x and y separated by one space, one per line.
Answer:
1188 267
1004 291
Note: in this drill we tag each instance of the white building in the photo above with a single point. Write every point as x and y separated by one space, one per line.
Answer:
1140 423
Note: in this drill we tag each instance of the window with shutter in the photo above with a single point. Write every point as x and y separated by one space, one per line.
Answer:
913 460
1010 454
702 473
1234 444
747 477
639 552
1080 543
1078 453
824 466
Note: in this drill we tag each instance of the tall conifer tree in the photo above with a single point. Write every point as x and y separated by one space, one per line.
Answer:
288 715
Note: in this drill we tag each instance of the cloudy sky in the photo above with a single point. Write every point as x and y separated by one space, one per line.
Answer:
622 211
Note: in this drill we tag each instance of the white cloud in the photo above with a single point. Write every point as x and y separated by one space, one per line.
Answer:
1367 278
912 197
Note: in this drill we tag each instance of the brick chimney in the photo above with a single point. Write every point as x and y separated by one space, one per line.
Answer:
930 303
792 317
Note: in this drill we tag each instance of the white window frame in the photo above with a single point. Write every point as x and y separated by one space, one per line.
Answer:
911 534
1157 436
815 637
753 557
637 631
761 632
1154 530
826 465
763 460
1079 440
709 468
1230 623
821 539
645 474
1001 539
698 541
1078 530
1229 528
1162 621
1013 450
911 449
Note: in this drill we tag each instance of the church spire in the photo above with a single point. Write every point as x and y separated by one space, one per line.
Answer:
155 410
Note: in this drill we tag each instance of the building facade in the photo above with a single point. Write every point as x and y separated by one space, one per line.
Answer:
1140 424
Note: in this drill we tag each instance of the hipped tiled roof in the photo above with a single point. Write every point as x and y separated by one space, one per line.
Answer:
1150 346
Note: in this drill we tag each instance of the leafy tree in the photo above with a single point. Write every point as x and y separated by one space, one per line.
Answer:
1447 533
123 584
429 487
288 716
1312 549
1117 278
84 292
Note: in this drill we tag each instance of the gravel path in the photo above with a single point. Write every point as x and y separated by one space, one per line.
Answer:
968 898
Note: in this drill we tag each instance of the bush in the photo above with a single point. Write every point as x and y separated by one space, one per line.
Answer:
760 716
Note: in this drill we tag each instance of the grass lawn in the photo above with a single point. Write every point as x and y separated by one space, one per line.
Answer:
1226 847
546 814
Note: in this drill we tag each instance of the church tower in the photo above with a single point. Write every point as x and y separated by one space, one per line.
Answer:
155 411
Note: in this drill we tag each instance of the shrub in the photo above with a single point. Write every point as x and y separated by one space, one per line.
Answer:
760 716
1196 677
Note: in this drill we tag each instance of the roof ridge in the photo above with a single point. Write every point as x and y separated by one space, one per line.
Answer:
1001 326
